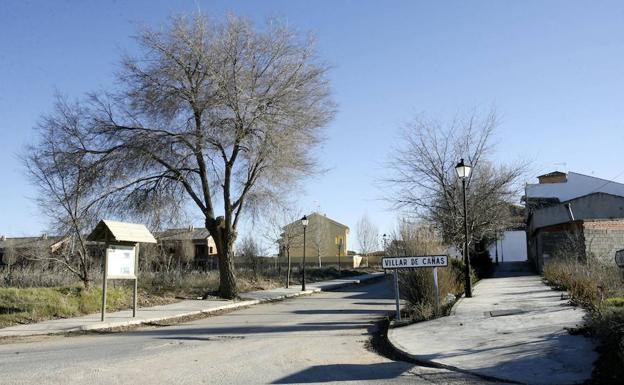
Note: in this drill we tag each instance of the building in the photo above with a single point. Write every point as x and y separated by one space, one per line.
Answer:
21 250
189 245
575 215
327 242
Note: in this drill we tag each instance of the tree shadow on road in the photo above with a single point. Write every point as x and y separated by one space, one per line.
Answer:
346 372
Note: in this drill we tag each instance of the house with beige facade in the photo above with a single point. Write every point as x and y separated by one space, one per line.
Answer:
327 242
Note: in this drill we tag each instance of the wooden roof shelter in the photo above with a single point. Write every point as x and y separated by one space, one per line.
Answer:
114 231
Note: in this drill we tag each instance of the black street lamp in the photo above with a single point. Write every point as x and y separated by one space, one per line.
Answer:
463 172
304 222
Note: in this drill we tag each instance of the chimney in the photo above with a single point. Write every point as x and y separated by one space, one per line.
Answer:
553 177
44 236
191 228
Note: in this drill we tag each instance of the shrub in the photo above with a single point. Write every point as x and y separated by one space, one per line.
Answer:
417 287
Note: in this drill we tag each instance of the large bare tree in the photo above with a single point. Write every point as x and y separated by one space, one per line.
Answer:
426 183
220 115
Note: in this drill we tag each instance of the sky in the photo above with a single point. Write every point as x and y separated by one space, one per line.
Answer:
552 69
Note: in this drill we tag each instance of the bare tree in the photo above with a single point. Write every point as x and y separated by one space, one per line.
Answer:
215 113
319 231
281 232
249 253
367 235
65 180
426 183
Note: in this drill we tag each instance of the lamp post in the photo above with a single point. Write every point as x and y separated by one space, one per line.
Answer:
496 244
463 172
304 222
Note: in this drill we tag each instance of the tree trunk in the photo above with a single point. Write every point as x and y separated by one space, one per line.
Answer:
224 241
227 282
87 283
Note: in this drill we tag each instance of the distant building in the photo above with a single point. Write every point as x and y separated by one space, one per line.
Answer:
20 250
326 240
190 245
573 214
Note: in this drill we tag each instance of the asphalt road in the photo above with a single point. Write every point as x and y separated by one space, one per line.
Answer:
314 339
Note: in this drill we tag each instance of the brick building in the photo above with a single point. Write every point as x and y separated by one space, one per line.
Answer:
573 215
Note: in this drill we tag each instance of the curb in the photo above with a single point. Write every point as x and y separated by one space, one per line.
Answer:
402 352
245 302
117 324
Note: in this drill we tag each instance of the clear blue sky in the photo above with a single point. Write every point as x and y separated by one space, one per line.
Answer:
554 71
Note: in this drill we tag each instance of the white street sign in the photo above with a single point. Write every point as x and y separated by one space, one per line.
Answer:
415 262
121 262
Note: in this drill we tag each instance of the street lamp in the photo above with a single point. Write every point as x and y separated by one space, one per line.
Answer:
463 172
304 222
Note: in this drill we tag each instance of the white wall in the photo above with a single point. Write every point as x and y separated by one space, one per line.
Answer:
511 247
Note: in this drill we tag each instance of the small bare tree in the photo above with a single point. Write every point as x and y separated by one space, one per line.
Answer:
211 113
249 253
367 235
426 184
319 231
279 232
65 180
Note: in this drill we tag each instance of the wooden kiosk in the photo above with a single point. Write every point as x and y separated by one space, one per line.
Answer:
122 253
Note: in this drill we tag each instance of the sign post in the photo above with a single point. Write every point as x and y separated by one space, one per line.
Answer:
411 262
120 262
121 254
397 295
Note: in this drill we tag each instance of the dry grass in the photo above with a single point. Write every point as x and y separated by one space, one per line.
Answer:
28 305
589 283
41 295
598 287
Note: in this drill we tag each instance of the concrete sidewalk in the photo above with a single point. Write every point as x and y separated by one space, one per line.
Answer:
513 328
173 311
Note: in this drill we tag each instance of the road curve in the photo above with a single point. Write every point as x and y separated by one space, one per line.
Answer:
313 339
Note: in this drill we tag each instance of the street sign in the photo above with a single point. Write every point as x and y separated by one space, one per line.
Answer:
410 262
619 258
415 262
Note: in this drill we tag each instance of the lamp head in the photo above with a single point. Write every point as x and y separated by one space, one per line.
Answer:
463 170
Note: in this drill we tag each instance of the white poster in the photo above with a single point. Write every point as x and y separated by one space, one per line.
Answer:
121 262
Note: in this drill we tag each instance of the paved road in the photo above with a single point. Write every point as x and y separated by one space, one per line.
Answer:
316 339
